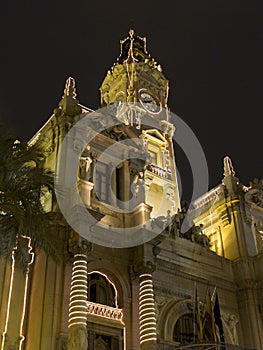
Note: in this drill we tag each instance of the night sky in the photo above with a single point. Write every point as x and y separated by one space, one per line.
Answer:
210 51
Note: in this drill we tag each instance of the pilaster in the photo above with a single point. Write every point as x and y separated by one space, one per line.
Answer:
14 334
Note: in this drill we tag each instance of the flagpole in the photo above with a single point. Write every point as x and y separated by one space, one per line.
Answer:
213 294
209 319
206 295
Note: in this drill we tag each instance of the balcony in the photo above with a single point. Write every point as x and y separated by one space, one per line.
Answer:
202 346
105 311
165 173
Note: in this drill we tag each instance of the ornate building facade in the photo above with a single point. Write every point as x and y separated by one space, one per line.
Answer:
129 274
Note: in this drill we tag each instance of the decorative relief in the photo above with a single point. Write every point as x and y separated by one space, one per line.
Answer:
170 292
76 245
78 338
167 128
78 145
249 283
143 266
255 193
98 121
230 322
115 133
160 301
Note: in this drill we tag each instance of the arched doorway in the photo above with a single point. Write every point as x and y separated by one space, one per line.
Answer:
106 329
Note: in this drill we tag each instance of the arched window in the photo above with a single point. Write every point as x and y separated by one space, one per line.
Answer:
184 329
100 290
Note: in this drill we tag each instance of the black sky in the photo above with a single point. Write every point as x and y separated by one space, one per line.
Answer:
210 50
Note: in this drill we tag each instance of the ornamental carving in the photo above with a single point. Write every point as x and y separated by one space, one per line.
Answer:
250 283
76 245
254 195
143 266
170 292
77 338
230 322
115 133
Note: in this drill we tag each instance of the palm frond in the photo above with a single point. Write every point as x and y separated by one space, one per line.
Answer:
24 183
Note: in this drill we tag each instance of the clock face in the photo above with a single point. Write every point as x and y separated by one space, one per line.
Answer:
149 102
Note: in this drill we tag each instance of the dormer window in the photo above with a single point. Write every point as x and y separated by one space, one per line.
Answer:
155 145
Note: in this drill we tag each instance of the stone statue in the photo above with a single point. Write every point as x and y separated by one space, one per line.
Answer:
85 168
173 225
231 321
138 187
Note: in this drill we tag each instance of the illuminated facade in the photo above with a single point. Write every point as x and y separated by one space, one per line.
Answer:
141 296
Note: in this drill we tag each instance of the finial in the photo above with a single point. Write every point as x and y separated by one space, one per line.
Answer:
228 167
131 33
68 105
70 89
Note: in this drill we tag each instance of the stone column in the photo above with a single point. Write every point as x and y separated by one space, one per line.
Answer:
147 313
77 324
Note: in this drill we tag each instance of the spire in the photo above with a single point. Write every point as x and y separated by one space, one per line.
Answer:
134 72
228 167
134 46
70 89
69 105
130 52
231 182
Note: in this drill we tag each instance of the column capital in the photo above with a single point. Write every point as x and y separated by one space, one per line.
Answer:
77 245
144 267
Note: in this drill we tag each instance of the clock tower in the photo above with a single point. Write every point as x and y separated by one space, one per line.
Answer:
135 77
137 91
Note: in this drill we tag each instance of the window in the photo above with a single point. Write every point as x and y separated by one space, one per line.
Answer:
100 290
120 180
183 329
155 154
101 182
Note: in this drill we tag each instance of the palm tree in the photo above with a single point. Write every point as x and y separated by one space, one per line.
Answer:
23 185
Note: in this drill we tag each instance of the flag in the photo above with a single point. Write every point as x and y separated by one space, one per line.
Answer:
209 321
218 321
198 319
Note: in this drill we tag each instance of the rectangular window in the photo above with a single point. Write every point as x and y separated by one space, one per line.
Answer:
155 154
101 182
119 183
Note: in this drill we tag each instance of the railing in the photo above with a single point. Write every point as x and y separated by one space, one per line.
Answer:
105 311
212 195
203 346
166 173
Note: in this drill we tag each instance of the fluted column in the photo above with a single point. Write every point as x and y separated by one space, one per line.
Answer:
77 323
